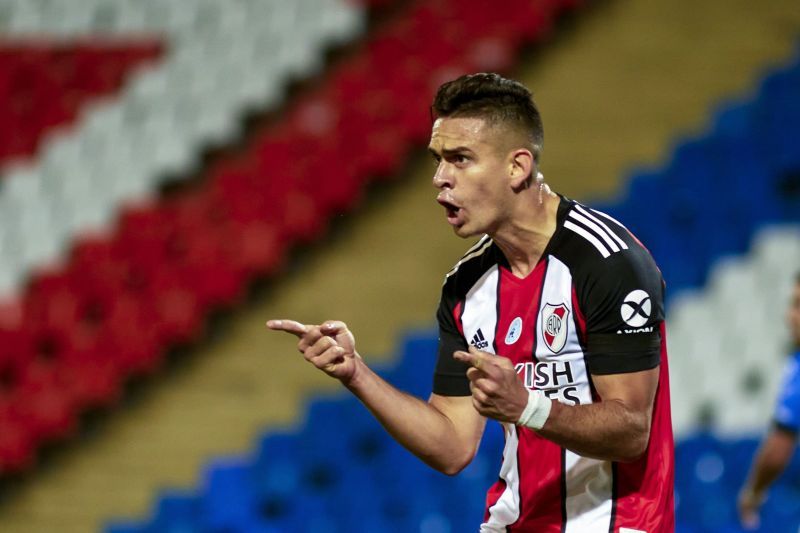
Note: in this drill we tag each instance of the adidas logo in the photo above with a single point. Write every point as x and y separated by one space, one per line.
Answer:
479 341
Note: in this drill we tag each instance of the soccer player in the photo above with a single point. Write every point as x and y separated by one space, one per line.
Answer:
778 446
552 324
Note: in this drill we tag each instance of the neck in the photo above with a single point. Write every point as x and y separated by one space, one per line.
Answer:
524 238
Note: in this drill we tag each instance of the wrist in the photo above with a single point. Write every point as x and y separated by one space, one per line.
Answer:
355 380
536 411
753 494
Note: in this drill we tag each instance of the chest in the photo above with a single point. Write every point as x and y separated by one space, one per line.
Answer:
535 322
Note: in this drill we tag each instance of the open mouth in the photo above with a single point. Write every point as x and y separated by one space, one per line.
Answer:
452 210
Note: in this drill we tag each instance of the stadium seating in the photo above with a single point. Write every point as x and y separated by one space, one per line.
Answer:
730 339
720 188
163 119
77 331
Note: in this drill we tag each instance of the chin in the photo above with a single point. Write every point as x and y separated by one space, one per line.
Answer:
464 231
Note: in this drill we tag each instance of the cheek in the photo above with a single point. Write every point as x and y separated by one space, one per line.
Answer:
487 187
485 202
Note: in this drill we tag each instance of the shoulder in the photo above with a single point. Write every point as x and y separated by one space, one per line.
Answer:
616 281
468 270
596 246
788 405
791 371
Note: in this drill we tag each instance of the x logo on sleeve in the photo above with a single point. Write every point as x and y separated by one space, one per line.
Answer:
636 308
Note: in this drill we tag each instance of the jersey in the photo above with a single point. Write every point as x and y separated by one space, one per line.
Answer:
593 305
787 412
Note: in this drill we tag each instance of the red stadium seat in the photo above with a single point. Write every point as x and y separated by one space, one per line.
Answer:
17 445
44 403
43 84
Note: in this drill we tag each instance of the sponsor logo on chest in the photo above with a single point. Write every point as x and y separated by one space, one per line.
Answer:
556 379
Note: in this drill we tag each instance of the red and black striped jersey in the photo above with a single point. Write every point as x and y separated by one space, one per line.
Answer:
592 305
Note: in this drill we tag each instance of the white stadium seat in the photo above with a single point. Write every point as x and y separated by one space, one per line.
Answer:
730 340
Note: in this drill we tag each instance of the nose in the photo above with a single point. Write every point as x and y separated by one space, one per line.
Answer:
441 178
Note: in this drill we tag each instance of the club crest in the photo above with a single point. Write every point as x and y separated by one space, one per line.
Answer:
554 326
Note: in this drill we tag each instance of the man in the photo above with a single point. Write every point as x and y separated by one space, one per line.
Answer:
778 446
551 324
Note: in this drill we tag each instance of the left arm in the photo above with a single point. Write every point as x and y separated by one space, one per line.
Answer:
617 428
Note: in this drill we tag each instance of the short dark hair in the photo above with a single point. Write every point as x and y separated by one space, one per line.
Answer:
494 98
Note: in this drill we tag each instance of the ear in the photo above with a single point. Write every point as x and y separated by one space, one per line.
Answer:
522 169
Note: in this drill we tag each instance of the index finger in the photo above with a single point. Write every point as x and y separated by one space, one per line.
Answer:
289 326
473 357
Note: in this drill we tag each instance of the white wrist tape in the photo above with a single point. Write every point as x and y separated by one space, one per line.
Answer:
536 412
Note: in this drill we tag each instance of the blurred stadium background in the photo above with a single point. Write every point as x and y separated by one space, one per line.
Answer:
175 172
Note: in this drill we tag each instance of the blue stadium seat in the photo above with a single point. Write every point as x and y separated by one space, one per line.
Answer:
418 360
228 499
733 119
177 511
275 469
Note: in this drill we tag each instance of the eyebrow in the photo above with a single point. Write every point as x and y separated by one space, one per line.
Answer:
450 151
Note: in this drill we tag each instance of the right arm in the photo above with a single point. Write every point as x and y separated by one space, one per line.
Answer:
444 432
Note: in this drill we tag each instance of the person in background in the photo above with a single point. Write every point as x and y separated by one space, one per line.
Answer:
778 445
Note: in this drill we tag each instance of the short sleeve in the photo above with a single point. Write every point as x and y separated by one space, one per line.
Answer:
787 410
450 376
622 298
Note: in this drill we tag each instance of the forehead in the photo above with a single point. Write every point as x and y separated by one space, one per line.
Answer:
471 132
